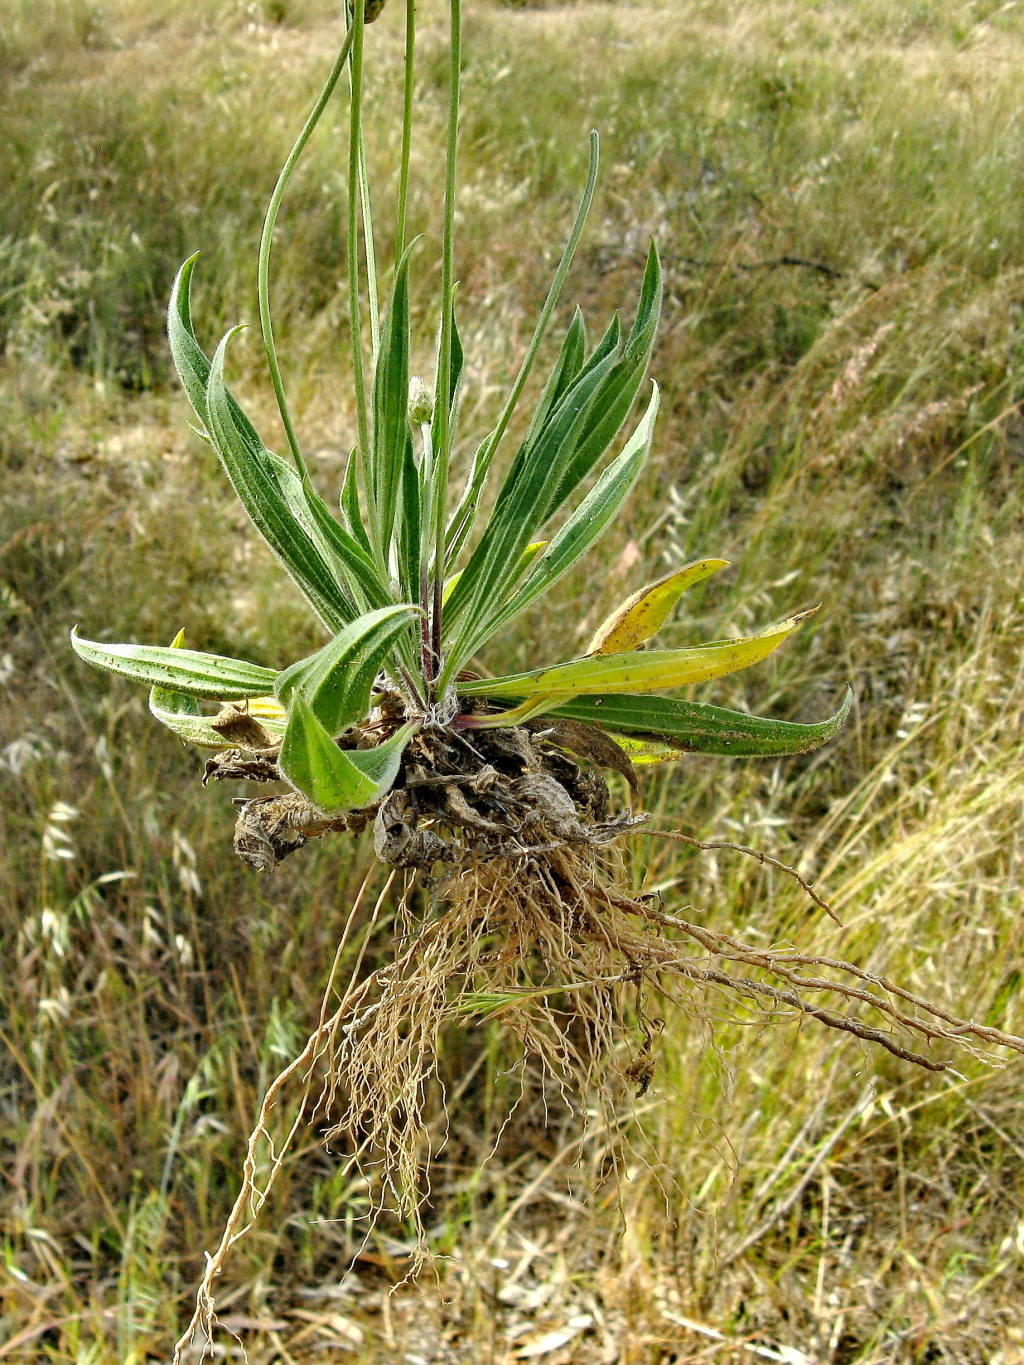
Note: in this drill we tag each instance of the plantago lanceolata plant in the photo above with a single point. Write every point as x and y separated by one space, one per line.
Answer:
410 581
473 780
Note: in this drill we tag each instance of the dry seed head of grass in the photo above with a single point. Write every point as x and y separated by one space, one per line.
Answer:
532 921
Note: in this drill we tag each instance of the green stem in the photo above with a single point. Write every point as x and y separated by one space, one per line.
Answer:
371 254
267 242
354 143
442 392
403 174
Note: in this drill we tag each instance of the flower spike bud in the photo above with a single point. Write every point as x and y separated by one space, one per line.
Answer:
421 402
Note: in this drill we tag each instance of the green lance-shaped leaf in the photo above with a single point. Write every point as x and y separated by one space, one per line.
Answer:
269 488
391 431
336 682
525 560
381 764
564 373
620 380
190 360
521 507
566 370
411 525
349 503
619 389
564 452
191 728
179 670
455 381
348 558
256 476
334 779
585 526
195 728
182 714
671 728
640 617
655 670
346 552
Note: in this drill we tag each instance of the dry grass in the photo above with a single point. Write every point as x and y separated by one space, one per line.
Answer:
846 434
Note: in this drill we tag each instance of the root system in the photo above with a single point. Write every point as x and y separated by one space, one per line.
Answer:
517 906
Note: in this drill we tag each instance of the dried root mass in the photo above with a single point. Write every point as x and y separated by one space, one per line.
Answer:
460 796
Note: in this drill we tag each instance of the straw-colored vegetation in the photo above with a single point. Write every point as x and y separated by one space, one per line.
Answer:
835 194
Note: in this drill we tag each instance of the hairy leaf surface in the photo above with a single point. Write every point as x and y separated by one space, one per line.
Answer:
639 671
644 612
337 680
334 779
180 670
691 727
391 430
586 525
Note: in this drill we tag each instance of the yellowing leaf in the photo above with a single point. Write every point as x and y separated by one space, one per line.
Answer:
182 713
642 752
644 613
638 671
266 708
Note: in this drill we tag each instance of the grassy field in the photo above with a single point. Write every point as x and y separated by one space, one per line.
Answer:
835 190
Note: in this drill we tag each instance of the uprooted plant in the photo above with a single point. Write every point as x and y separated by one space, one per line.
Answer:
486 791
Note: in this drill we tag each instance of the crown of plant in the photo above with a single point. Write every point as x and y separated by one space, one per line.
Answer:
409 580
